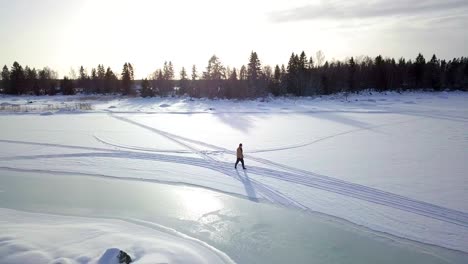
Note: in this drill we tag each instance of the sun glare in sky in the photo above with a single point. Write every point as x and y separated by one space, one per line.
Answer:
67 34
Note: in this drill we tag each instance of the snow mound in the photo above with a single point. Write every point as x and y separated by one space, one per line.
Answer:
42 238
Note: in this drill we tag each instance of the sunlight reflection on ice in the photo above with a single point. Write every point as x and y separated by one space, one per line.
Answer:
196 203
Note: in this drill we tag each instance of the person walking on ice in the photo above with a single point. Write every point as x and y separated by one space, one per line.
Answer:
240 156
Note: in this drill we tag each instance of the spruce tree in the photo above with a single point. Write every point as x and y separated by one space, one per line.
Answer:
275 83
351 75
434 73
168 71
5 80
67 86
380 74
31 79
17 79
419 66
243 73
293 75
110 81
194 73
127 78
254 68
233 75
146 89
183 83
215 70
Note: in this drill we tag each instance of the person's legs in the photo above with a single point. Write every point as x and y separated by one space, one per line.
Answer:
242 161
237 161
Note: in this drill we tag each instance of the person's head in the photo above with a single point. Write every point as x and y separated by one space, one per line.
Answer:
240 145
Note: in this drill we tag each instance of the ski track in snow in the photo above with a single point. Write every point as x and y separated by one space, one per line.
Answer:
320 182
223 150
266 191
288 174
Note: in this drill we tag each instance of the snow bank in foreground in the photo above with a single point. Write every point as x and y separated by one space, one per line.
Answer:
41 238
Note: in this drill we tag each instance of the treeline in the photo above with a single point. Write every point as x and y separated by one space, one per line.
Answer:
19 80
302 76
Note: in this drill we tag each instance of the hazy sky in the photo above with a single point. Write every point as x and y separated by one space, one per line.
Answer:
69 33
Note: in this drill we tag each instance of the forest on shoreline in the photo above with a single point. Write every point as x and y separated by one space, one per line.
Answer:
302 76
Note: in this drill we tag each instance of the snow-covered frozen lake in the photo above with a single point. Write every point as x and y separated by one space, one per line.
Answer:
376 179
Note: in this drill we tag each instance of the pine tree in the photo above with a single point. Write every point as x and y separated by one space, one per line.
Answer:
168 71
127 78
31 79
233 75
254 68
380 74
194 73
146 89
171 71
419 66
254 73
193 90
101 76
352 75
160 75
215 70
67 86
110 81
433 68
5 80
274 85
83 80
101 73
17 79
310 64
243 73
48 81
302 74
83 74
302 61
183 83
293 75
183 74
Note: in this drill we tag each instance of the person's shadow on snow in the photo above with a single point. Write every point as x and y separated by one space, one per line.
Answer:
249 189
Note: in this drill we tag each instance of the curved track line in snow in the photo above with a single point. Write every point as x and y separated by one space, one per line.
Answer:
431 114
284 112
292 175
106 142
300 145
122 178
266 191
53 145
223 150
333 185
310 180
